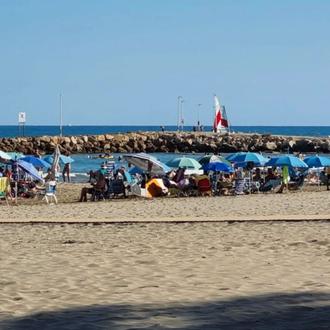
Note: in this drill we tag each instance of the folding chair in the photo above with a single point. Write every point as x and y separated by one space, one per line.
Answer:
50 193
4 189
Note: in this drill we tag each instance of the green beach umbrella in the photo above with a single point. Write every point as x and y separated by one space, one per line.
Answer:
184 162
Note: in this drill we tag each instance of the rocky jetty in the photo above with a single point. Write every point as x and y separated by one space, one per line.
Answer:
166 142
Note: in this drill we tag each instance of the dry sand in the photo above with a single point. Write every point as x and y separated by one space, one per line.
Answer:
293 205
273 275
211 275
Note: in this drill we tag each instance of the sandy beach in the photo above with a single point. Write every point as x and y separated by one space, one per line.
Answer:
302 205
220 274
272 275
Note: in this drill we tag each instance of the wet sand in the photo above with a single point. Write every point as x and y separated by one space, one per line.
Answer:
273 275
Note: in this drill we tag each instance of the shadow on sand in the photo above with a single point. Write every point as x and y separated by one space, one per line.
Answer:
274 311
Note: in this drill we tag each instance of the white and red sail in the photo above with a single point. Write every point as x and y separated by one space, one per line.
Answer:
220 120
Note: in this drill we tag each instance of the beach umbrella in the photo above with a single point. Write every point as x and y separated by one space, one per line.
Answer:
212 159
231 156
287 160
15 155
218 167
29 168
63 159
35 161
317 161
66 159
249 157
184 162
147 163
4 155
272 161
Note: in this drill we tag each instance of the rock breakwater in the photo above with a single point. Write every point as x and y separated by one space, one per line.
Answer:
165 142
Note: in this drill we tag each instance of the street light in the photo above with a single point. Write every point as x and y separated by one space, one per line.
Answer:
198 109
180 113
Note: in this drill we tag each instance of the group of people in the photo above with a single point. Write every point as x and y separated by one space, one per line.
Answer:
107 182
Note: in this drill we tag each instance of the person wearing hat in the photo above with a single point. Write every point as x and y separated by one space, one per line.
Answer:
103 169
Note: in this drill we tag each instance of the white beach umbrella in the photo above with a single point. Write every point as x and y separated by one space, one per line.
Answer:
4 155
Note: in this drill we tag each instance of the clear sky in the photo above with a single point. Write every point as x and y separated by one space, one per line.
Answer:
126 62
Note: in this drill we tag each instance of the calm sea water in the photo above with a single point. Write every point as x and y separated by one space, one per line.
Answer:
12 131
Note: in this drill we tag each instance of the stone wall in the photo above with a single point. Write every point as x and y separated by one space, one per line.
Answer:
165 142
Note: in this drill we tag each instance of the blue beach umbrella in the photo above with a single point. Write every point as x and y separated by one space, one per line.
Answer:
317 161
272 161
218 167
244 158
63 159
37 162
288 160
231 156
29 168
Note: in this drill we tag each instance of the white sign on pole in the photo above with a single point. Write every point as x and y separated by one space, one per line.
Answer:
21 117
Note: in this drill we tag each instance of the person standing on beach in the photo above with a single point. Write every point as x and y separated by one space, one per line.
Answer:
66 172
328 177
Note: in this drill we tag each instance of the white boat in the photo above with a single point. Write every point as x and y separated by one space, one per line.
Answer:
221 123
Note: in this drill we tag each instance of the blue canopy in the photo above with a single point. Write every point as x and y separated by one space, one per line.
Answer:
246 157
64 159
231 156
287 160
272 161
218 167
29 168
317 161
37 162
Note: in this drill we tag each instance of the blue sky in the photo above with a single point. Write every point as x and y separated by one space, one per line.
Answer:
125 62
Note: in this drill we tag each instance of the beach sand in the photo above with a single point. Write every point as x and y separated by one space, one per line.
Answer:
266 275
166 274
301 205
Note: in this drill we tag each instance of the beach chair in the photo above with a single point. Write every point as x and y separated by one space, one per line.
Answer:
50 192
4 189
239 187
116 188
204 185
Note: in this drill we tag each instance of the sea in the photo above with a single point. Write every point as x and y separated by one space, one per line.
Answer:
83 163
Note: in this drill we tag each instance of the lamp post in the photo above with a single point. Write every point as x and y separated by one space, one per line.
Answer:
61 116
178 109
181 113
198 121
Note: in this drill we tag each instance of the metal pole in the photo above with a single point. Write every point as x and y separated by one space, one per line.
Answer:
198 108
178 122
181 112
61 116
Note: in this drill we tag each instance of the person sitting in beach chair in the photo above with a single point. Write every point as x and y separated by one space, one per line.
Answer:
117 186
225 184
272 182
239 182
98 188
